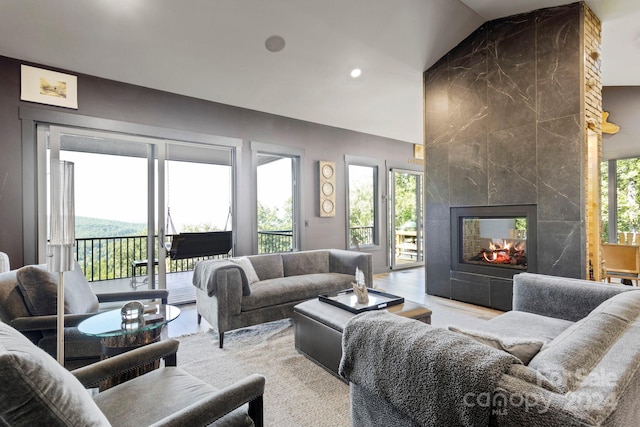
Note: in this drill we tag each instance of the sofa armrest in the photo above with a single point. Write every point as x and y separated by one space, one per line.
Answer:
92 375
248 390
560 297
44 323
343 261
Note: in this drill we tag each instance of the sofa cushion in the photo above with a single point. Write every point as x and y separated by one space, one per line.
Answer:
573 354
284 290
268 266
40 290
520 324
307 262
11 302
41 391
79 297
131 404
522 348
249 271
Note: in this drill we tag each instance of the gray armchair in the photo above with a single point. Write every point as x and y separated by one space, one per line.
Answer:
41 392
28 303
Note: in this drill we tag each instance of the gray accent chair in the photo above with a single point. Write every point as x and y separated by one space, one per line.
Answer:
38 391
28 298
239 292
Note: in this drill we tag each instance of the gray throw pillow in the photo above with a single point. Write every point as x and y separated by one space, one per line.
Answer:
38 390
522 348
39 289
247 267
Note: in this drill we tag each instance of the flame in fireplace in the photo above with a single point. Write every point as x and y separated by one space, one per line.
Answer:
503 253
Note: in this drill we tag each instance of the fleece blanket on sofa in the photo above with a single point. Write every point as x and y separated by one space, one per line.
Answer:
431 375
205 275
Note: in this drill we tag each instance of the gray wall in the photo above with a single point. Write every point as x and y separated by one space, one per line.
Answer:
623 105
112 100
504 127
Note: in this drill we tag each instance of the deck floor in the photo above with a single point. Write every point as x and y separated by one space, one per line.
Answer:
181 291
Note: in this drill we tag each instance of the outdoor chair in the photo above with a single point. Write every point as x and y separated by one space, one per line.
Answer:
28 302
621 261
38 391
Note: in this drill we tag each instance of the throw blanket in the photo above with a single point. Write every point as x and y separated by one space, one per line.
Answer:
205 275
431 375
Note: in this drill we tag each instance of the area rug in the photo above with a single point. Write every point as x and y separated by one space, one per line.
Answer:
297 392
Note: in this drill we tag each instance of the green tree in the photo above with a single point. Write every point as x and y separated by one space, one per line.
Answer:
627 197
604 201
405 202
202 227
275 228
361 205
628 171
272 218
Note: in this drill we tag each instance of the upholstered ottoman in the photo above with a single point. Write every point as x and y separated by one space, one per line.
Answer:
319 326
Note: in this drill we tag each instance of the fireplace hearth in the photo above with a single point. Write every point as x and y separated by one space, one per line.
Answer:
493 240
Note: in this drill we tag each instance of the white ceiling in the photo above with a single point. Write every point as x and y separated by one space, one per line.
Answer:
214 50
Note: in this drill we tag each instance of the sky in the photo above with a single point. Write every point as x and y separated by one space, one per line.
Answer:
115 188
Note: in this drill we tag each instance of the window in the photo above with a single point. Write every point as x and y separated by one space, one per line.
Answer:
275 185
277 175
620 200
362 194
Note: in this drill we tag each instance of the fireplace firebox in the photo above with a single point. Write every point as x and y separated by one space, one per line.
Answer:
494 240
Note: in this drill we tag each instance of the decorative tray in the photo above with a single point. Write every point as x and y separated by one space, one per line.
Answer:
348 300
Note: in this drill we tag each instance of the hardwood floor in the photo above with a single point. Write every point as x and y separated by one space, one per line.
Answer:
408 283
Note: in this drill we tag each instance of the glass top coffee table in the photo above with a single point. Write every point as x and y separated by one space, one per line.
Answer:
110 324
118 337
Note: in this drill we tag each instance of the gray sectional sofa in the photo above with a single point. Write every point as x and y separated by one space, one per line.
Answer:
244 291
582 339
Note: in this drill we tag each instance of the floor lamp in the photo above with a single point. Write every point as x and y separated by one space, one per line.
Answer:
62 235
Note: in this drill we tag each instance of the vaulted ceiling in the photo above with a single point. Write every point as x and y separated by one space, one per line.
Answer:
215 50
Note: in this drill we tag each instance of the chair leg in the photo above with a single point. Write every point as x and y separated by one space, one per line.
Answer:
171 360
256 411
221 338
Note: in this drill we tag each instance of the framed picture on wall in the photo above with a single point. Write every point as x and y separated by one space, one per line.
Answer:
48 87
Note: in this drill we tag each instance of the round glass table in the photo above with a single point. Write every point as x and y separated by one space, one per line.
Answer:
109 324
118 336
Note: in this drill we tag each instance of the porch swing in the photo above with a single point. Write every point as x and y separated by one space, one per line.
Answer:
190 244
198 244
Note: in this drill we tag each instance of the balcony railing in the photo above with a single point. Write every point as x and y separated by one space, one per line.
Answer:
363 235
273 241
106 258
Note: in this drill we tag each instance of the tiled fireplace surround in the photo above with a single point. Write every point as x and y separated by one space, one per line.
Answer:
505 126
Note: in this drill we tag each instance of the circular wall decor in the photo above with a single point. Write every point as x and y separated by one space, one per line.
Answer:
327 171
327 206
327 189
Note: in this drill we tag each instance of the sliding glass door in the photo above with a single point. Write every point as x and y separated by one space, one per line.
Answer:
132 196
117 194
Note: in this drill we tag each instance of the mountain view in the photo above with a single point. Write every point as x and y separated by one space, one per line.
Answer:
97 227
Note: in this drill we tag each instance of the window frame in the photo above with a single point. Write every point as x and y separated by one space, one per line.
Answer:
297 156
377 166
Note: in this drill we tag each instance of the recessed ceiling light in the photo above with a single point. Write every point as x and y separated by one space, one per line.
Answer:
274 44
355 73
